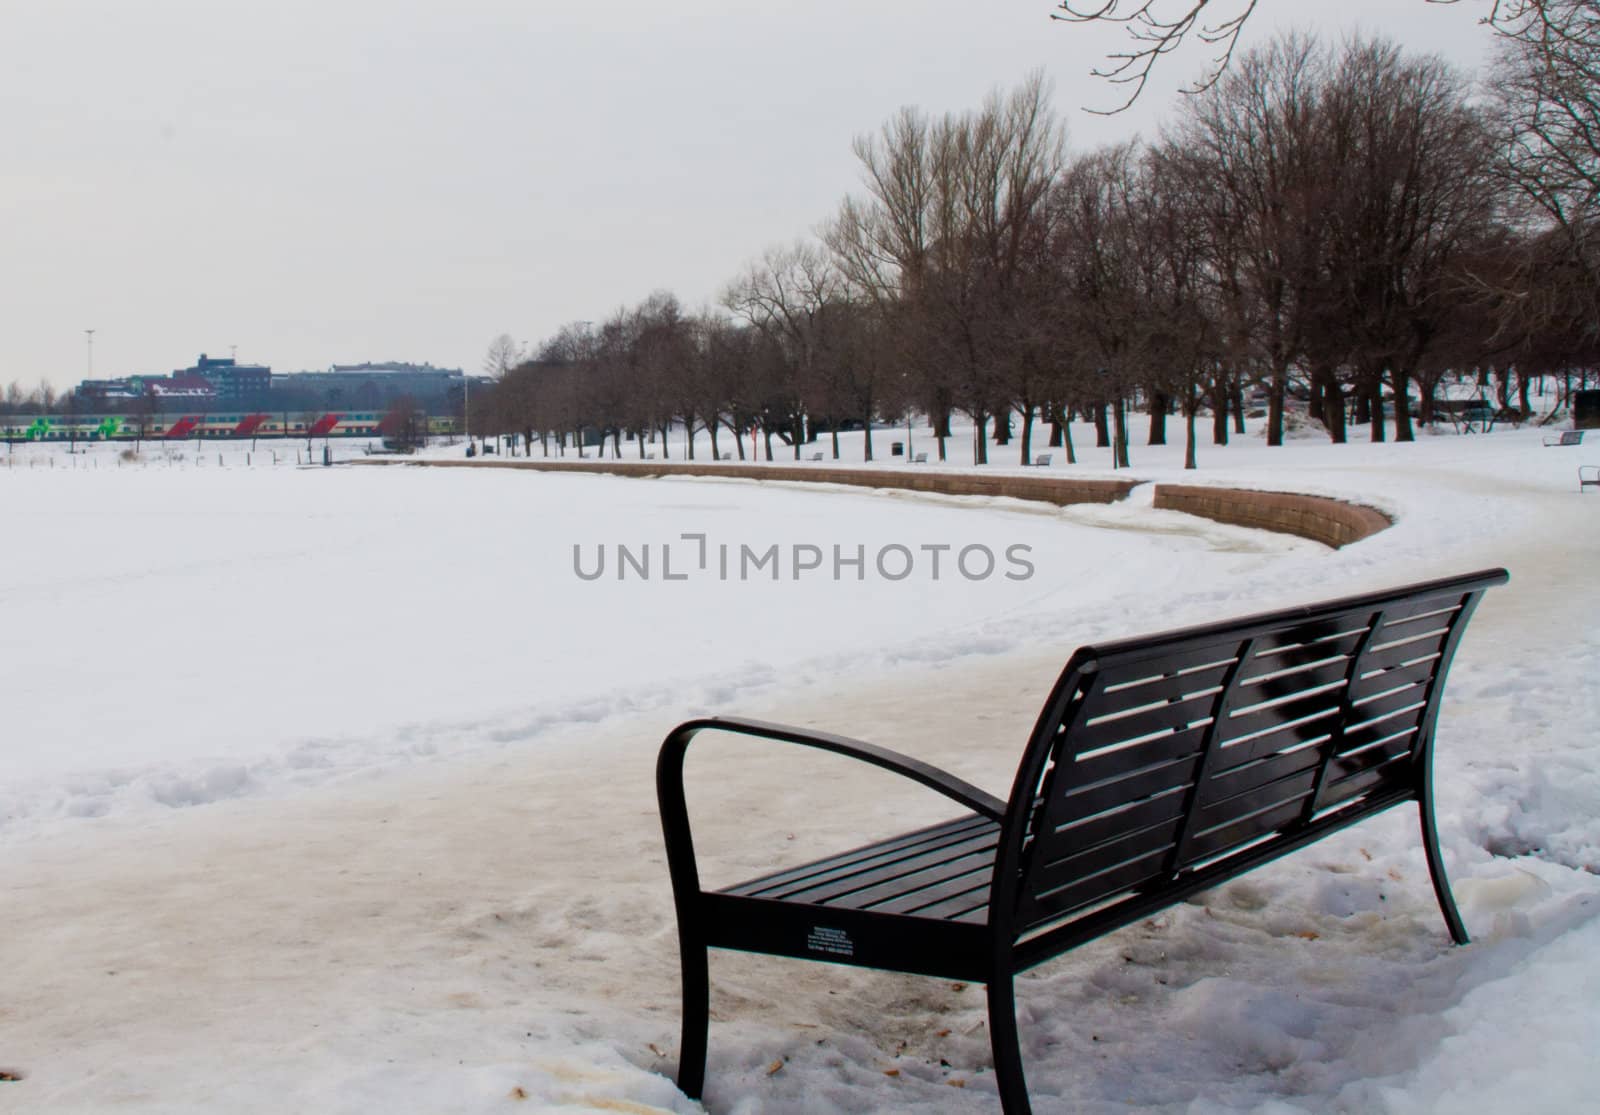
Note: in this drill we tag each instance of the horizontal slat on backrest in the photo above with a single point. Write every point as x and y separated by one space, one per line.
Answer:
1303 650
1158 687
1100 765
1381 681
1177 753
1088 800
1036 908
1147 722
1123 819
1100 857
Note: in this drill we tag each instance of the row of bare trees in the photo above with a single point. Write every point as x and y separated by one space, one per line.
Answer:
1340 225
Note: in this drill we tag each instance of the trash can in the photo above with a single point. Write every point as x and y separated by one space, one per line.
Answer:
897 449
470 451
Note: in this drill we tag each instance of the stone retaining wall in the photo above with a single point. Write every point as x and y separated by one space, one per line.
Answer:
1048 489
1329 521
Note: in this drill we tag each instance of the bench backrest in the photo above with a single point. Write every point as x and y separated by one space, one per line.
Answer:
1162 759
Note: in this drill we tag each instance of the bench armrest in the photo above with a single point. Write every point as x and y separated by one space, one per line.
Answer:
949 785
675 812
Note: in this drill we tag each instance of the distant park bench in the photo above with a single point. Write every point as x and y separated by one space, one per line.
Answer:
1568 437
817 456
1588 477
1041 460
920 459
1159 767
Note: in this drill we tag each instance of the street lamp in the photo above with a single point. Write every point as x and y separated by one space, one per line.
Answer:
89 333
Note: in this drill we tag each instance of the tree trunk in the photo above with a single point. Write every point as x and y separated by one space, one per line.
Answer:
1057 421
1066 439
1333 410
1002 427
1375 409
1102 427
1119 450
1159 402
980 438
1401 382
866 435
1027 433
1275 395
1189 441
1236 401
1219 410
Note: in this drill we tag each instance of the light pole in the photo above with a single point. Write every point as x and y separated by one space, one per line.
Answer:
89 334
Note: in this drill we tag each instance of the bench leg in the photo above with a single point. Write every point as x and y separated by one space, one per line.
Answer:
1003 1041
696 1016
1441 882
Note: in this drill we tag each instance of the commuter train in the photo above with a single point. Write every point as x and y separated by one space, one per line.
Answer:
177 427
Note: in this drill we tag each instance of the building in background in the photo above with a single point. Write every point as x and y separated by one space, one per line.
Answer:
231 380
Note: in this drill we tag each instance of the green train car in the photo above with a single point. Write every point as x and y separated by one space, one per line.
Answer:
178 427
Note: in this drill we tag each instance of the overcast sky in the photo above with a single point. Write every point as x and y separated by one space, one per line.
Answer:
349 180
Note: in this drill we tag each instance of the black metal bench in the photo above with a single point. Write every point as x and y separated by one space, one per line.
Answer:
1158 768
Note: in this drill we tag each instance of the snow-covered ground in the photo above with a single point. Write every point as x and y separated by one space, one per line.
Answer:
427 872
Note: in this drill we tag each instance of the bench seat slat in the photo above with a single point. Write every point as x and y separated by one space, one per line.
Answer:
869 856
958 887
891 880
948 867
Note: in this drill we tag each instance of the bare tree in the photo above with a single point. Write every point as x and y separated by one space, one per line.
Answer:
784 295
1547 89
503 355
1161 27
